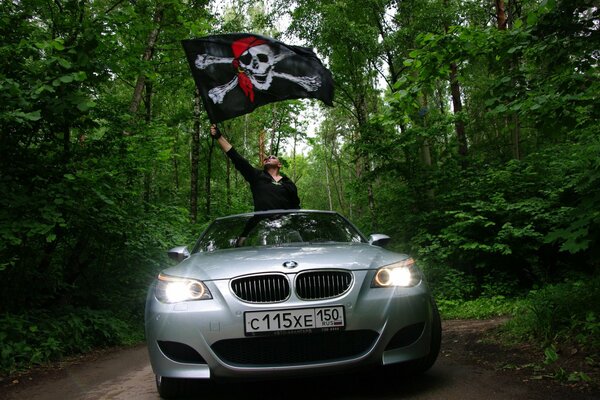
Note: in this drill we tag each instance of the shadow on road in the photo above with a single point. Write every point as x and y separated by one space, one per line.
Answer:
386 384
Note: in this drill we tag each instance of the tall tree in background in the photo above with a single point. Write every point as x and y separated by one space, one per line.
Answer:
501 15
195 158
147 56
347 36
455 91
62 130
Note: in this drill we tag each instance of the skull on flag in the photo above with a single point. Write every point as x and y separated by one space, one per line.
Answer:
235 73
254 61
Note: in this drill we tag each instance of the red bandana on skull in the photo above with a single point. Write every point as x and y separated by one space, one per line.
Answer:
239 47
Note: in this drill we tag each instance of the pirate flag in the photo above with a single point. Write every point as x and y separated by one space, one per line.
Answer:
236 73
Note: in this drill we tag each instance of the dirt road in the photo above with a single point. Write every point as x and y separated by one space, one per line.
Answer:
468 368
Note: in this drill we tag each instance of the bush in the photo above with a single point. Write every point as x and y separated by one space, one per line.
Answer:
451 284
568 311
36 338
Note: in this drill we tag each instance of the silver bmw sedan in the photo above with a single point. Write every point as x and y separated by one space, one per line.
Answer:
287 293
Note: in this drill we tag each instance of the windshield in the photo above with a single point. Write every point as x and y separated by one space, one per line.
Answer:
277 230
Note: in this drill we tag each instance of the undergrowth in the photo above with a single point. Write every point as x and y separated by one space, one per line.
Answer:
559 319
40 337
481 308
566 311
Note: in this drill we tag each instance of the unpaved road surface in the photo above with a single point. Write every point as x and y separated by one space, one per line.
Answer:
468 367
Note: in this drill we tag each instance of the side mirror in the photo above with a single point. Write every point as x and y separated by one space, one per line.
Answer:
179 253
379 239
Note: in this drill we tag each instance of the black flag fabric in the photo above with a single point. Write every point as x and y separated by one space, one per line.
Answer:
238 72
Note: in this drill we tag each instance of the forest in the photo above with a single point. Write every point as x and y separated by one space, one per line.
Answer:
466 130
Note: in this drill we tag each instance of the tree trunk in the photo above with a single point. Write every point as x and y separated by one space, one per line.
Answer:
328 187
195 159
148 119
150 45
176 162
371 197
425 146
294 156
394 74
335 164
261 146
459 125
340 187
515 124
207 187
501 15
516 137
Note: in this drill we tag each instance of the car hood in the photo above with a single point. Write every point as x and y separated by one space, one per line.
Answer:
225 264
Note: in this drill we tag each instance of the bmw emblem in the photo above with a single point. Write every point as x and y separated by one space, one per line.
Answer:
290 264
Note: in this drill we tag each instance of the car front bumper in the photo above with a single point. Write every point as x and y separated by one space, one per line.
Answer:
206 339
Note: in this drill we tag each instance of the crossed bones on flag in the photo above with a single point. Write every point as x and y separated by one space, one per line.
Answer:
254 62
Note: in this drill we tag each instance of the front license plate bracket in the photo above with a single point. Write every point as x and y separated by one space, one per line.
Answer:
294 320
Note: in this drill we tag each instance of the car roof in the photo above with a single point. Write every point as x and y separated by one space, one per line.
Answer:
280 211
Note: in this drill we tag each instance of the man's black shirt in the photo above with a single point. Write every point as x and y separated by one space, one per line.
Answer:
266 192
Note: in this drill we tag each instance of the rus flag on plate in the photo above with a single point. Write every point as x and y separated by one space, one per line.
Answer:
238 72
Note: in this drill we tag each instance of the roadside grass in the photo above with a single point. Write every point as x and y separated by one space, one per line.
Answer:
481 308
561 321
37 338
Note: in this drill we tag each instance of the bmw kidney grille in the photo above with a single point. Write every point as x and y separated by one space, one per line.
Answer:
271 288
309 285
317 285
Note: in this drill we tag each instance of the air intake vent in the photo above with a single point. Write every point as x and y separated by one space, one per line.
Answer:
295 349
317 285
270 288
180 352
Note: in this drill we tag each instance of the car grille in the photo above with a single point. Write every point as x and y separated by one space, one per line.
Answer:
295 348
274 288
316 285
270 288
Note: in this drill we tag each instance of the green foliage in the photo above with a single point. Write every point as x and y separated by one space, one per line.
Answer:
505 219
89 205
37 338
558 313
481 308
451 284
580 228
458 295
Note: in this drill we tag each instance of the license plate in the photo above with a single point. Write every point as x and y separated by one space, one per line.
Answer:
299 319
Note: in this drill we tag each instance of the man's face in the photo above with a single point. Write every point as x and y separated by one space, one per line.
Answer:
271 161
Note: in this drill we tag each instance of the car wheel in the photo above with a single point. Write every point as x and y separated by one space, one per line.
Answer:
170 388
419 366
423 364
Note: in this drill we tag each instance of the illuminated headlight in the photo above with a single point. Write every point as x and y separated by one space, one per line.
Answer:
403 274
170 289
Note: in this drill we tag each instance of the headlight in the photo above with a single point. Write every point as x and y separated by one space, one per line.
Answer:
403 273
170 289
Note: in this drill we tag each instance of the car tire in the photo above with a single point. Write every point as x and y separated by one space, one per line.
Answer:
423 364
170 388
